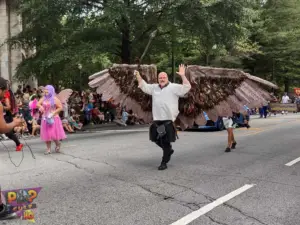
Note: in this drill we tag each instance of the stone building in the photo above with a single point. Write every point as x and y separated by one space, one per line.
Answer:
10 25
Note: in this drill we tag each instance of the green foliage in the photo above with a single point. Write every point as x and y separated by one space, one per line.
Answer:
278 34
261 37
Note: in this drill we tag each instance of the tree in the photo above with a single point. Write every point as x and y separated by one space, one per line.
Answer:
96 33
278 33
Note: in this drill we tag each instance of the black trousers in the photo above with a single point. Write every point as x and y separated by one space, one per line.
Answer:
165 141
167 149
11 135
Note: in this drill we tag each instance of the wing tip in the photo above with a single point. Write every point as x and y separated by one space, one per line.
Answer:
261 81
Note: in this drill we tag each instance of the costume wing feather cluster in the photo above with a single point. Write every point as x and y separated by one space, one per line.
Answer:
119 83
64 95
217 91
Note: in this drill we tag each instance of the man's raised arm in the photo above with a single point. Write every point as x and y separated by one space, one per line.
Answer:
181 90
147 88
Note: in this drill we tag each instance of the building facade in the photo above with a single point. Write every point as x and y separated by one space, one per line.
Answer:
10 25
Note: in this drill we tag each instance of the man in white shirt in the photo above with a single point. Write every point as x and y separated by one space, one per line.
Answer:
285 100
165 100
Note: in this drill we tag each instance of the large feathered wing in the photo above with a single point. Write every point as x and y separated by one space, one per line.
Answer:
220 92
216 91
119 83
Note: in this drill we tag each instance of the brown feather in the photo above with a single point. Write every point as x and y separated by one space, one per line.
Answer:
213 114
200 120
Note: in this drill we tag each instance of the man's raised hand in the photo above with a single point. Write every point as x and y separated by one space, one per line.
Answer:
181 71
136 73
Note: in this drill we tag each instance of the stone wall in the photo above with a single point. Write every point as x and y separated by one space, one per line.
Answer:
10 25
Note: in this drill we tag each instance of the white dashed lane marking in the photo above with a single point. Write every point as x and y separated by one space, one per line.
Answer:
293 162
205 209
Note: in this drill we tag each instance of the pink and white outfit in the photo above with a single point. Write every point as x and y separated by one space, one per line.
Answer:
51 132
51 125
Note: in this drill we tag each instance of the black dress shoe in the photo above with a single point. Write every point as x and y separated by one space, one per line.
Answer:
162 166
228 150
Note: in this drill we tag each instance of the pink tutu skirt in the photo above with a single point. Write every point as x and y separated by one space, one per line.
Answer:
54 132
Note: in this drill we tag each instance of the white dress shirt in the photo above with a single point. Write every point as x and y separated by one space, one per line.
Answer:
285 99
165 100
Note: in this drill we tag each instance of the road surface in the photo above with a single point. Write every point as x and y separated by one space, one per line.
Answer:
111 178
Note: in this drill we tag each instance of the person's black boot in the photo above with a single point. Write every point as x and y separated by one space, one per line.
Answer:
5 214
163 166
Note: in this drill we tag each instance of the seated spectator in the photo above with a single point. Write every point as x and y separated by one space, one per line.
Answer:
74 124
66 125
241 120
74 120
22 129
132 119
35 127
96 113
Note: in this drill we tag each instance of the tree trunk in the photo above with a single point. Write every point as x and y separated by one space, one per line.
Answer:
286 85
126 46
207 58
126 43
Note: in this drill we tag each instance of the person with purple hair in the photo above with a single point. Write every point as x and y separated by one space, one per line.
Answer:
51 124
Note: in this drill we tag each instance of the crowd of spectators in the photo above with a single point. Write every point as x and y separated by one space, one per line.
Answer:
82 108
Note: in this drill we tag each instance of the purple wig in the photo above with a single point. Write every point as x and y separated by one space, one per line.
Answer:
50 95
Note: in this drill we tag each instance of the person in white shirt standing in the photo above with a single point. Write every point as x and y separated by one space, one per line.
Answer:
165 100
285 100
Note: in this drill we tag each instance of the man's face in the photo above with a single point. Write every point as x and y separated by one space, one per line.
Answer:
163 79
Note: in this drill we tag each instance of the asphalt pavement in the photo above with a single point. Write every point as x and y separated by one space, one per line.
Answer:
110 177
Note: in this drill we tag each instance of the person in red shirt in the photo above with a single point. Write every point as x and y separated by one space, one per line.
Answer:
9 106
5 127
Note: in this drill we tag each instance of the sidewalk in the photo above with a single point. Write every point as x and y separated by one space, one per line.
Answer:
117 126
114 126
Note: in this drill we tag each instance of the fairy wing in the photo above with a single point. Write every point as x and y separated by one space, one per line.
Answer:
119 83
219 92
64 95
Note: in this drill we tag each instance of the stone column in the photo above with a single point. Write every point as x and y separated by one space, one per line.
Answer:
10 58
15 54
4 34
